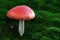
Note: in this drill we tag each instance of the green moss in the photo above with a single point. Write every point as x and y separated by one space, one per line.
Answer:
45 26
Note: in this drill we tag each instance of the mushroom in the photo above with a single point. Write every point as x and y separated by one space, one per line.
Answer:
21 13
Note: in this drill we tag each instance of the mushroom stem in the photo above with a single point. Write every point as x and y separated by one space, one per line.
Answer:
21 27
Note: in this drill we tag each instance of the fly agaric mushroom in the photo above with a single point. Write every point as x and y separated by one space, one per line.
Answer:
21 13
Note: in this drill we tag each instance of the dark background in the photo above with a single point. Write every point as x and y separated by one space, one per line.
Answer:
45 26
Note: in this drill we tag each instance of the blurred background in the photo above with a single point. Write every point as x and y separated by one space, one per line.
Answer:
45 26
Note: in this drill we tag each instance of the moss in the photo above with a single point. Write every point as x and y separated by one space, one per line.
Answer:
45 26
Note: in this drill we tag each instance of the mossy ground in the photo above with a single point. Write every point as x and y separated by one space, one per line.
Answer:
45 26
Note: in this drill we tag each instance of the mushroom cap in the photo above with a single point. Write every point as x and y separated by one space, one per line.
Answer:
21 13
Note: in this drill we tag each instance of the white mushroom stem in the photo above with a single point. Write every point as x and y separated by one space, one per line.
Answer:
21 27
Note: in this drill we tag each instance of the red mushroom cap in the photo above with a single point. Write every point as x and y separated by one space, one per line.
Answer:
21 13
